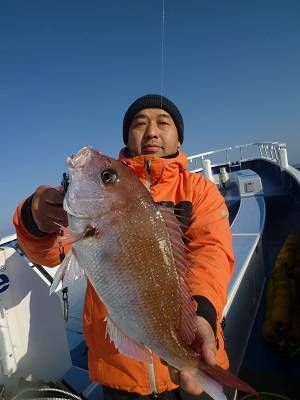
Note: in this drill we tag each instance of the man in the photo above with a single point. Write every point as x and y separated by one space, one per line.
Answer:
153 132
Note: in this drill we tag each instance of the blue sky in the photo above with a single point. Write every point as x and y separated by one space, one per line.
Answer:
69 70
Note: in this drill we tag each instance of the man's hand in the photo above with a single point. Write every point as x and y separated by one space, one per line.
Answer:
47 209
205 345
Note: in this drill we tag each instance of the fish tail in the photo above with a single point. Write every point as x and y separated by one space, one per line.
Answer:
226 378
209 385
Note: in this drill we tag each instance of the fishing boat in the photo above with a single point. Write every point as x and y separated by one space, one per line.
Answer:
41 336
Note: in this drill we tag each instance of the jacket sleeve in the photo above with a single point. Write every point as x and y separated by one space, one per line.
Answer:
43 249
211 255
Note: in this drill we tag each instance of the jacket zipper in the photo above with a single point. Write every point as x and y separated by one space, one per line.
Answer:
148 174
153 386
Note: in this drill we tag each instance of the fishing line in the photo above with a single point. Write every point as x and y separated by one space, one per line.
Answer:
162 52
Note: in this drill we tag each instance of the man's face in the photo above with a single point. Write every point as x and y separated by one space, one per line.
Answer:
153 131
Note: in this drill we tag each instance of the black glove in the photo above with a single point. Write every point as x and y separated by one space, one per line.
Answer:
43 212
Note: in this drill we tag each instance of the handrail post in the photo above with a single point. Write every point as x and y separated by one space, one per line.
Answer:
207 169
283 159
276 154
226 156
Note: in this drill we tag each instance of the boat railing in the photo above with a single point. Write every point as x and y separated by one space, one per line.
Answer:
234 156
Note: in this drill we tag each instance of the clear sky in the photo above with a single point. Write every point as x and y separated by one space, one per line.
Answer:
69 69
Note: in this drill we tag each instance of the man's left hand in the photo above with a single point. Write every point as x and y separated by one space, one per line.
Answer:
205 345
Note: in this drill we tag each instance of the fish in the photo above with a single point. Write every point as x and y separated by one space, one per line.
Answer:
133 253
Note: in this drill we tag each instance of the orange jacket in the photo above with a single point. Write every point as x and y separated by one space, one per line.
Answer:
209 274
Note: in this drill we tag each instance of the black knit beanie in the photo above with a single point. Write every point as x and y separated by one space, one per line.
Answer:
153 101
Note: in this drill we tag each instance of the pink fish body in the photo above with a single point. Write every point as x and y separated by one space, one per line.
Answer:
132 252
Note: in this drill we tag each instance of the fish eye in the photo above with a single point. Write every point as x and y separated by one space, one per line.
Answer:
109 177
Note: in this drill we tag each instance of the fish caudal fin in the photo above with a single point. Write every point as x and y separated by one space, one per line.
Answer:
68 272
209 385
125 345
226 378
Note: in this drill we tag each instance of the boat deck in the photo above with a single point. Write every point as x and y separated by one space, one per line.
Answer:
263 367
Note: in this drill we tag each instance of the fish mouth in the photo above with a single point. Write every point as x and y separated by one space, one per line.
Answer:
70 211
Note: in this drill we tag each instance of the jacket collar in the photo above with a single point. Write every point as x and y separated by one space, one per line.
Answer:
160 169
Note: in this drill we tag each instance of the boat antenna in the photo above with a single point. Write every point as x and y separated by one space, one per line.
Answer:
162 53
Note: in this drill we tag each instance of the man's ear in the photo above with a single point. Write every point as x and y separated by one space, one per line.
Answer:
178 145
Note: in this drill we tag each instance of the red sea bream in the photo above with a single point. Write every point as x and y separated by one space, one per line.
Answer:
132 252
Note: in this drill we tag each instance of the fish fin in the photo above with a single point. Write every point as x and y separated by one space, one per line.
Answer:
209 385
68 272
66 240
124 344
188 316
175 235
65 237
68 235
226 378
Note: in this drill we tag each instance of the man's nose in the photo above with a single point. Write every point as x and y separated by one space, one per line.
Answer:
151 130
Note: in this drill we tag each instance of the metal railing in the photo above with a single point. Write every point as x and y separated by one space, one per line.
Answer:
236 155
197 160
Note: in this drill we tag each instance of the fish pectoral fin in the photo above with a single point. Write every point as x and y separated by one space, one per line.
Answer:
124 344
68 272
